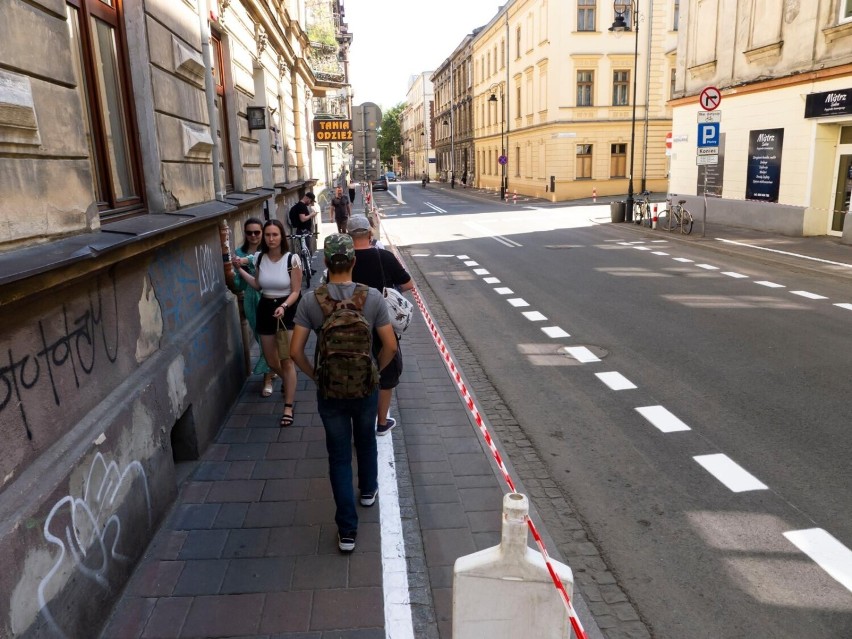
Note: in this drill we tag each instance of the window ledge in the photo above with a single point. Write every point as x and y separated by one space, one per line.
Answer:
840 31
761 54
703 70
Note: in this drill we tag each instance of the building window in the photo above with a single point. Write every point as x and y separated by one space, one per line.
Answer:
503 54
103 84
623 7
676 15
586 15
517 161
620 84
518 42
845 10
222 131
519 105
584 161
618 160
672 84
585 88
488 65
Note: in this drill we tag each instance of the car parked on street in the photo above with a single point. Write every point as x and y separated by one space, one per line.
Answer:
380 183
391 176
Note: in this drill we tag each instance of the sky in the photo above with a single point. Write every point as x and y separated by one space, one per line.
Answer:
395 39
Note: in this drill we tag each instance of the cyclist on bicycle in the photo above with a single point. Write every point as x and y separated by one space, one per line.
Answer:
302 216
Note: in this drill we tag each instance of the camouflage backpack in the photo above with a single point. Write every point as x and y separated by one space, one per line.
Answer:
345 367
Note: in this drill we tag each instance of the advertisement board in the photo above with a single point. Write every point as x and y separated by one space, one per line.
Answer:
763 174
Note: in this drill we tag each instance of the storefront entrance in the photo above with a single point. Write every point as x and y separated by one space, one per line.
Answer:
842 190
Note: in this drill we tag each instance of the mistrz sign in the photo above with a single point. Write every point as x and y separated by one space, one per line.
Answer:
829 103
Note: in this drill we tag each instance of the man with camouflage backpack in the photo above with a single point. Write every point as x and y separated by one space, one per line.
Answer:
345 314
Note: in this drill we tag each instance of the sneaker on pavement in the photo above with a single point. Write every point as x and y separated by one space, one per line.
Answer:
384 429
346 541
368 499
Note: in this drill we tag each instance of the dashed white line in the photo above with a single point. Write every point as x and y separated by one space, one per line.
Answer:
463 257
443 255
662 419
642 248
481 271
581 354
730 473
554 331
683 259
517 302
502 290
810 296
491 280
735 275
420 254
769 284
829 554
615 381
534 316
708 267
848 307
659 253
471 263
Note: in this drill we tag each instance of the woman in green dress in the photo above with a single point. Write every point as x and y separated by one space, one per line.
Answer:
252 230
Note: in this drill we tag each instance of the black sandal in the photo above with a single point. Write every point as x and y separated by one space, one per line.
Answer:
286 420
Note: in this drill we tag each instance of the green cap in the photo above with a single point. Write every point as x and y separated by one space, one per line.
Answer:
339 245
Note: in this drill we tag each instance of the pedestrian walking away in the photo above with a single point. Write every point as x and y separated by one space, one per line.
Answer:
379 269
352 185
345 314
339 210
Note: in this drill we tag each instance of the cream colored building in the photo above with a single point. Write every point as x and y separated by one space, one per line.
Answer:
416 126
566 84
785 74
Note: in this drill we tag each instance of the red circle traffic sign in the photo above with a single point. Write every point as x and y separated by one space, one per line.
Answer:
710 98
669 140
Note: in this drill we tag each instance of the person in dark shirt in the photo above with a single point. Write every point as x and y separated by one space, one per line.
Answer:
379 268
301 219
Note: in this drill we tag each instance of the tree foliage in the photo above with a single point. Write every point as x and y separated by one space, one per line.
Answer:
389 138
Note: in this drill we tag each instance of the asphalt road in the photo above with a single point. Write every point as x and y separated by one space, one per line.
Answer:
713 503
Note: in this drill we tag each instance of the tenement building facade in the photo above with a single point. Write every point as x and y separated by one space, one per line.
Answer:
135 137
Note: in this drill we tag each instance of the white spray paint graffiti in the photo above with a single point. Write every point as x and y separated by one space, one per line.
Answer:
208 274
88 525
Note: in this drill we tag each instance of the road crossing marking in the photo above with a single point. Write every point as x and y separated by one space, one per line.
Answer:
848 307
491 280
735 275
708 267
581 354
471 263
662 419
642 248
518 302
730 473
769 284
463 257
829 554
420 255
534 316
810 296
481 271
659 253
615 381
504 291
683 259
443 255
554 331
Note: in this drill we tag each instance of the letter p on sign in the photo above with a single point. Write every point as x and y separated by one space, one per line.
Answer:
708 134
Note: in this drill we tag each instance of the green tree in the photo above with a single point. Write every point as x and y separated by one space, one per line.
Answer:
389 138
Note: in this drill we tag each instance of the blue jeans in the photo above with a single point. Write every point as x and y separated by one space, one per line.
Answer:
345 420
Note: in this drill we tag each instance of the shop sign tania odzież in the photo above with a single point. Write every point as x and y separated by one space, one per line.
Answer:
332 130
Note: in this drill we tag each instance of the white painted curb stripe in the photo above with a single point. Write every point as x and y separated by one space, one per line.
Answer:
491 280
481 271
662 419
769 284
730 473
554 332
832 556
518 301
737 276
616 381
397 600
534 316
581 354
502 290
848 307
810 296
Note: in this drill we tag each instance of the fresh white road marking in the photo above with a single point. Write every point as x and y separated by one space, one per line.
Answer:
518 301
505 240
502 290
615 381
463 257
534 316
805 257
769 284
642 248
832 556
434 207
736 276
581 354
708 267
397 600
683 259
471 263
421 255
406 214
810 296
848 307
488 232
554 331
491 280
659 253
662 419
730 473
443 255
481 271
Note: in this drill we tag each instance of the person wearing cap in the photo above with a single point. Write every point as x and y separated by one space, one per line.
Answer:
302 216
378 268
346 420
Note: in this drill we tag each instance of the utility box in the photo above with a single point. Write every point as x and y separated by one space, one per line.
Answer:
616 211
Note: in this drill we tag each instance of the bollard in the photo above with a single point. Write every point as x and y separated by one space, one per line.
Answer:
654 217
515 197
506 591
507 197
594 195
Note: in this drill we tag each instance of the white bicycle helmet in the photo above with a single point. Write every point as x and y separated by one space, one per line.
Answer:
399 309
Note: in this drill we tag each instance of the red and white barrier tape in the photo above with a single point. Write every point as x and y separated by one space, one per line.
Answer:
471 405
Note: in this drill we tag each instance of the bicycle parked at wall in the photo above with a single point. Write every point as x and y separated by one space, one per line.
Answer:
300 245
678 216
642 209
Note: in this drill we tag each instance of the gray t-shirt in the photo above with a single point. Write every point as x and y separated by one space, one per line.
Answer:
309 314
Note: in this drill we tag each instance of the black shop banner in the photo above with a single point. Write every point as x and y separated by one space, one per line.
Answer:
819 105
764 164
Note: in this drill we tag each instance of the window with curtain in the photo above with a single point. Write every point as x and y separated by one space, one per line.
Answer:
585 88
586 15
620 88
618 160
676 14
584 161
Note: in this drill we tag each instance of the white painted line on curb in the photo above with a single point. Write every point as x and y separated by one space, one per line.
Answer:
736 276
491 280
481 271
730 473
708 267
848 307
554 331
683 259
662 419
810 296
769 284
659 253
502 290
518 301
615 381
581 354
534 316
396 595
829 554
471 263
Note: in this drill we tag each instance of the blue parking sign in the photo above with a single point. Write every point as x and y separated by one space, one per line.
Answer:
708 134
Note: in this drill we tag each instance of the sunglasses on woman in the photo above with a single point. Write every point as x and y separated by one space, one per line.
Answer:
252 232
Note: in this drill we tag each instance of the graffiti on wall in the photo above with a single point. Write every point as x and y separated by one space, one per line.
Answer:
87 530
208 269
69 345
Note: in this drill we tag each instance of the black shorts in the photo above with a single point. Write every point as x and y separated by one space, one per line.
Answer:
390 374
267 324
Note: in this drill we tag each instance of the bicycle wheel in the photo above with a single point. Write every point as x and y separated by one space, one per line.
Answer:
637 212
306 258
685 221
671 218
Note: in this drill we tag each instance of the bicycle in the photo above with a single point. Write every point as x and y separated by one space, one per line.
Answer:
303 250
678 215
642 209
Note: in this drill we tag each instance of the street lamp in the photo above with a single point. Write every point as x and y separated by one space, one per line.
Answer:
619 25
503 159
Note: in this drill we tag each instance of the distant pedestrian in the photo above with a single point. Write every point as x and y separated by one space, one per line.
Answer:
339 210
379 268
464 179
352 185
452 180
345 314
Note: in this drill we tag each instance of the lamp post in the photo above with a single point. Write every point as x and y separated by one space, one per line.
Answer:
619 25
503 159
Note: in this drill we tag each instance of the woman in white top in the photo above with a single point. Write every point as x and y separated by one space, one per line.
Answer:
279 278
